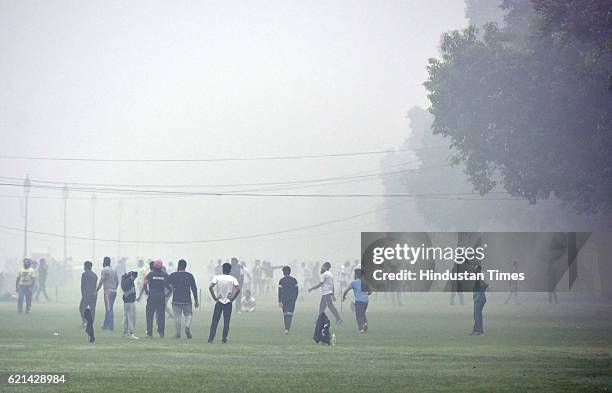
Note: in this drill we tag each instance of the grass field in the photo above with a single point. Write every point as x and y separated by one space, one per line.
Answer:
422 346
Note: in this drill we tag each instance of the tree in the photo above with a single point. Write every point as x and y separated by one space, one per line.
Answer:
527 107
434 173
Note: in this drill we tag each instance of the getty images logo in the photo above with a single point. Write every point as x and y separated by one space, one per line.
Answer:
412 254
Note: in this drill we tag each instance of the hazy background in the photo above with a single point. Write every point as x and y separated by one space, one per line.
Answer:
206 80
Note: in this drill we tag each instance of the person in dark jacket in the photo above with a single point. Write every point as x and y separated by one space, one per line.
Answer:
89 294
287 295
129 303
155 285
183 286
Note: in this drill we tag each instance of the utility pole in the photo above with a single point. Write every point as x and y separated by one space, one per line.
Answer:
93 227
27 185
65 198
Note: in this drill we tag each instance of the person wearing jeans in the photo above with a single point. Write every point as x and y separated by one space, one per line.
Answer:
183 286
110 281
327 292
24 285
224 288
362 291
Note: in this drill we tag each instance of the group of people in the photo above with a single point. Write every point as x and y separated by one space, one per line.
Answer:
157 285
181 288
31 282
225 287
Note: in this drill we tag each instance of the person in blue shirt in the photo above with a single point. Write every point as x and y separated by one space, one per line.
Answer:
362 291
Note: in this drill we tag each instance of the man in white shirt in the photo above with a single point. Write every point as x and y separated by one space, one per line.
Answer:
224 288
327 292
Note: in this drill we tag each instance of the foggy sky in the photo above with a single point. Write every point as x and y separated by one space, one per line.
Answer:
199 80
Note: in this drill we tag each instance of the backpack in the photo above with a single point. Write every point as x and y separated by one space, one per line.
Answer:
322 333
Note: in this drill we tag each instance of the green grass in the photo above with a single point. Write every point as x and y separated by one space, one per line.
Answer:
422 346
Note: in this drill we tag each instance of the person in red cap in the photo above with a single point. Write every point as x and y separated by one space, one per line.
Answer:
155 285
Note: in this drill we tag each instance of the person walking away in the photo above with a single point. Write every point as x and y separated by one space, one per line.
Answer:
362 293
43 273
327 292
129 304
224 289
89 293
480 299
110 281
287 295
24 284
183 287
154 286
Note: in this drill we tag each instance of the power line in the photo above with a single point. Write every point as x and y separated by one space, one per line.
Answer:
242 237
356 175
245 194
219 159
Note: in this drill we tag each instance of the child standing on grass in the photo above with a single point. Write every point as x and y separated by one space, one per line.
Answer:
129 304
479 301
362 291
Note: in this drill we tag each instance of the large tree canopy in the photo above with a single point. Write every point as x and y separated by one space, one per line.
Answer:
428 156
528 105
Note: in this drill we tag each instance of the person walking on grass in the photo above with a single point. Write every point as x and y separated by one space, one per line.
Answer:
154 286
224 289
89 293
361 291
183 286
43 272
327 292
480 299
24 284
110 281
287 295
129 304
